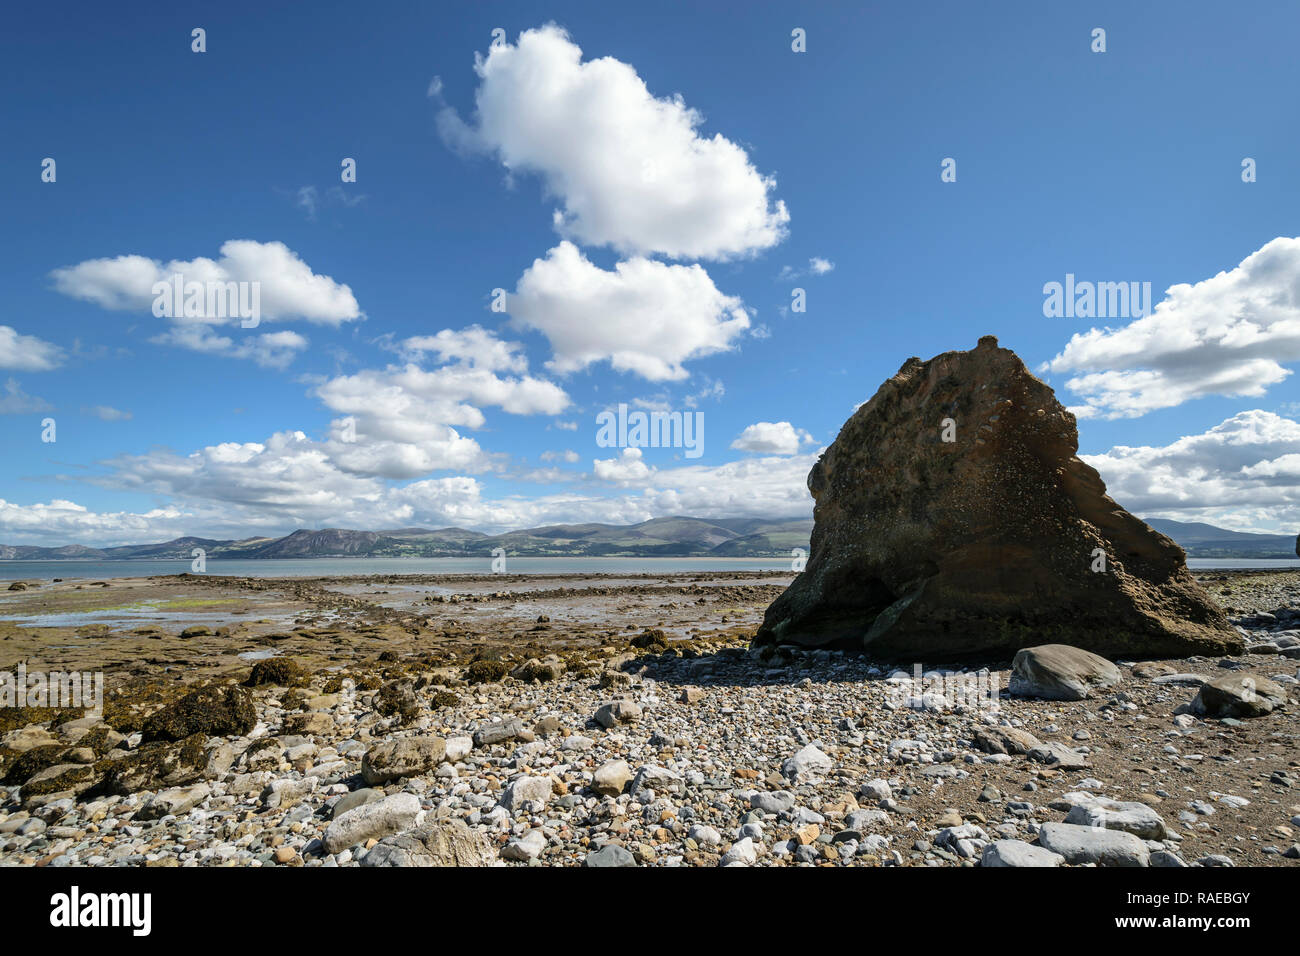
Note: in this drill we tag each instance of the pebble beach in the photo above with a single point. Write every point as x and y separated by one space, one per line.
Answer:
615 722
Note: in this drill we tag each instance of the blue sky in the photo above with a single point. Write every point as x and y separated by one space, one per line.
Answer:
648 186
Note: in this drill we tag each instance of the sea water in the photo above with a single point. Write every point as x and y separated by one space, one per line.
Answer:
341 567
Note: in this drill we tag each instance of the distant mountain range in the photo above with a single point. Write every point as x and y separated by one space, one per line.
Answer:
1206 541
659 537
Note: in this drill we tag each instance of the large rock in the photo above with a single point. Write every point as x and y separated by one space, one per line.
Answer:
213 710
1239 695
986 543
1080 844
173 802
1004 740
155 766
372 821
1135 818
1017 853
498 732
1058 756
611 778
808 761
28 738
609 856
524 790
1059 672
405 757
618 712
441 843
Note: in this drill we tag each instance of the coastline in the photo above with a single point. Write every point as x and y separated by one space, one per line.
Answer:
547 718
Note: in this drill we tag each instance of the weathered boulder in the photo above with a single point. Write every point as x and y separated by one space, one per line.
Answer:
372 821
1017 853
954 519
441 843
498 732
212 710
609 856
611 778
1058 756
404 757
357 798
311 723
618 712
1239 695
1059 672
173 802
155 766
1080 845
526 789
1004 740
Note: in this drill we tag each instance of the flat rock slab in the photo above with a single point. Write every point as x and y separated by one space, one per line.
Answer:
1135 818
1079 844
1058 756
1018 853
1182 680
372 821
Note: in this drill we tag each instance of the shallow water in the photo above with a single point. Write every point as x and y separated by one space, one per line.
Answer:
1211 564
338 567
118 617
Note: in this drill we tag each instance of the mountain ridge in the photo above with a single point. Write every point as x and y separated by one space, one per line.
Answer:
675 536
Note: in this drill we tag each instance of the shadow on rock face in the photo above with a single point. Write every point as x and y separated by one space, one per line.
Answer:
954 520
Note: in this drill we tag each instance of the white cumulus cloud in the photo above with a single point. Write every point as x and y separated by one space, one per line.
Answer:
645 317
286 289
772 438
1243 474
1231 335
627 467
629 169
401 421
27 353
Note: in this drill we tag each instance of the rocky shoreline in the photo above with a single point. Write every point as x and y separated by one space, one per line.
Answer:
614 722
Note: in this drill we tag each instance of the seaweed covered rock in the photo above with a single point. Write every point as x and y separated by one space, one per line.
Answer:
278 671
397 699
21 766
213 710
486 672
155 766
404 757
954 519
549 668
57 781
